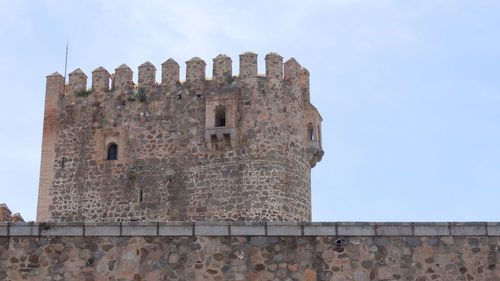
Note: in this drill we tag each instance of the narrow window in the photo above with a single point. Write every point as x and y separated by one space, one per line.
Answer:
140 195
113 152
213 140
220 117
310 132
227 141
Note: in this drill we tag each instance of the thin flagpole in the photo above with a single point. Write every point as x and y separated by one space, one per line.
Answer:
66 60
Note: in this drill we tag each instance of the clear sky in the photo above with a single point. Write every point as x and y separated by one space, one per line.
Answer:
409 90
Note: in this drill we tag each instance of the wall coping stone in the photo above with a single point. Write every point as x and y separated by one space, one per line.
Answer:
207 228
139 229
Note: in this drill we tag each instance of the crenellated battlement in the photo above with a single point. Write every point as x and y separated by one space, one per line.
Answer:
230 147
222 73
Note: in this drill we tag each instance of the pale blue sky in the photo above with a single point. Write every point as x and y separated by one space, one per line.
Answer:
409 90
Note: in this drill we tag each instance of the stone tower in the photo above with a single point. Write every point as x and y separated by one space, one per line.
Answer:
236 148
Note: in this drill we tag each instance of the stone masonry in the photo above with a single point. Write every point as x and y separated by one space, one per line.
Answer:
234 147
208 179
250 251
6 214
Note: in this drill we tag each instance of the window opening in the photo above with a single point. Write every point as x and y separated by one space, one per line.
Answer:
213 140
310 132
140 194
227 141
113 152
220 117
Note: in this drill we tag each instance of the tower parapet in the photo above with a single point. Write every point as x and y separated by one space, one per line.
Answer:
223 69
228 148
169 73
77 81
100 80
195 70
292 70
274 66
122 79
304 83
147 74
248 65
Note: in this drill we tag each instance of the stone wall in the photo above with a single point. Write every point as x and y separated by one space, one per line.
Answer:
6 214
250 251
174 163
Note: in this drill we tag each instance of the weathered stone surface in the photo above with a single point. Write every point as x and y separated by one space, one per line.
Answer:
4 229
176 229
247 228
394 229
102 229
283 228
6 214
429 229
468 229
356 228
62 229
494 228
229 149
320 228
211 228
248 258
140 229
23 229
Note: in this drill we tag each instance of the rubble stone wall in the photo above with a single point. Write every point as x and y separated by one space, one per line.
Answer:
250 251
174 163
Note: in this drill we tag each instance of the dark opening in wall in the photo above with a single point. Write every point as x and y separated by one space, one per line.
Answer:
213 140
310 132
113 152
220 117
227 141
140 195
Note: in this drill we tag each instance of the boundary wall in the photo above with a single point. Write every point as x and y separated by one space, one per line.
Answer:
207 228
310 251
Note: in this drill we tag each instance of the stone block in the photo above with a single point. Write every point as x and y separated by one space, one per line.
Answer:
61 229
248 228
284 229
139 229
431 229
493 228
211 228
320 228
393 229
468 228
23 229
355 229
102 229
176 228
4 229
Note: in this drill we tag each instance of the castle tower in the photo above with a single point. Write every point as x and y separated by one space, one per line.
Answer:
228 148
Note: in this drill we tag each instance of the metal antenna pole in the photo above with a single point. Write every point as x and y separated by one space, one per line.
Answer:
66 61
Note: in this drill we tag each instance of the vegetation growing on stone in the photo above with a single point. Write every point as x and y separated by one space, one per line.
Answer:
83 92
140 93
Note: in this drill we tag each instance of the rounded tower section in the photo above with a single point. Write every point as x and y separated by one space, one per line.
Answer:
234 148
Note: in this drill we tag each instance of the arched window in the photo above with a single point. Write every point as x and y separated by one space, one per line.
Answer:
310 132
113 152
220 117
